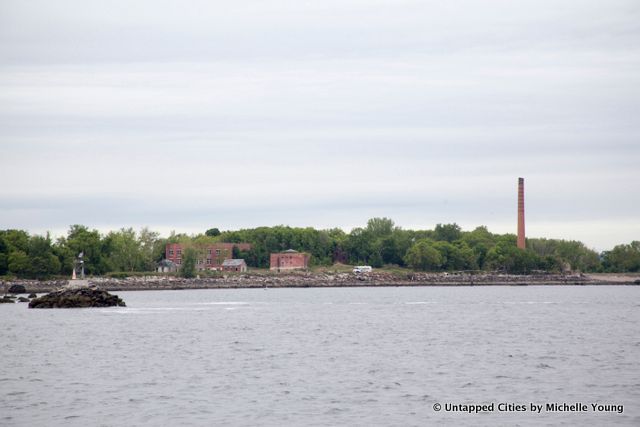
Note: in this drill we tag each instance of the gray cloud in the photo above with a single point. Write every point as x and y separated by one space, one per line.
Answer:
238 114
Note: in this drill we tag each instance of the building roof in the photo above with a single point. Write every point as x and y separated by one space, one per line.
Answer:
167 263
233 262
290 251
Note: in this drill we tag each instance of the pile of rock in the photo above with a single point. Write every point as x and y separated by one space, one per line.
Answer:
77 298
17 289
12 298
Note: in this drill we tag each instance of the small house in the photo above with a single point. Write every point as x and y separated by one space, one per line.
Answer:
234 265
167 266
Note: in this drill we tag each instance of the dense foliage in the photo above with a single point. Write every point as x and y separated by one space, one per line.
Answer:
38 257
379 243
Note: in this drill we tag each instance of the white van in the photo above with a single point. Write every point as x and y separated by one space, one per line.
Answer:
362 269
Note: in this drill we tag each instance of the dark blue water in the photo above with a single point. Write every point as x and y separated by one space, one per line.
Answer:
325 357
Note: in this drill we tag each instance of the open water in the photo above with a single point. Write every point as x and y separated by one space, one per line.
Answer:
326 357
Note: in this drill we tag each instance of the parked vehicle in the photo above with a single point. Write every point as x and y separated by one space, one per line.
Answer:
362 269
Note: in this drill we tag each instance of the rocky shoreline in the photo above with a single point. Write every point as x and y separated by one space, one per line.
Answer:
309 279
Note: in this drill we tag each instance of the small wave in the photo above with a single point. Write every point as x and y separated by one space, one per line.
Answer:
544 366
225 303
419 302
529 302
119 311
150 310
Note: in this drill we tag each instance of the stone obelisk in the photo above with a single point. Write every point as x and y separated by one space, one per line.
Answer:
521 242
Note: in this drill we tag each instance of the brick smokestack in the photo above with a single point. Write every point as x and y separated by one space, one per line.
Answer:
521 243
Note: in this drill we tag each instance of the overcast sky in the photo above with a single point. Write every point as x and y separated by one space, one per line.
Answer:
187 115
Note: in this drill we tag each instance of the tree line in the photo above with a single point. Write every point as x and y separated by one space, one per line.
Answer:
38 257
380 243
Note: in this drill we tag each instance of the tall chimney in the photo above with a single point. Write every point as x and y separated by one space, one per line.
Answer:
521 243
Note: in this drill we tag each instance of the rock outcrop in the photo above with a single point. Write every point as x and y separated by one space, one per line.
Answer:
77 298
17 289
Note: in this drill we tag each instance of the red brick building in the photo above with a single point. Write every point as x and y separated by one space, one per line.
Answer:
289 260
210 257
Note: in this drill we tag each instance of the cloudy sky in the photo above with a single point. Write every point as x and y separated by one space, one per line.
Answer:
190 115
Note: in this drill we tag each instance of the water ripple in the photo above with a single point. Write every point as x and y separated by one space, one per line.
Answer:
323 357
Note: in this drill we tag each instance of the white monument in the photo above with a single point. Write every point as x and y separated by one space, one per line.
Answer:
78 271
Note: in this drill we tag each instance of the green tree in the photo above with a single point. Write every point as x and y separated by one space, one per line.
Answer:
188 267
623 258
81 239
43 261
359 246
16 240
250 257
507 257
235 252
4 255
124 250
4 263
213 232
336 245
423 256
19 263
570 255
152 249
578 256
480 240
380 227
178 238
159 250
27 256
457 256
375 260
447 232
